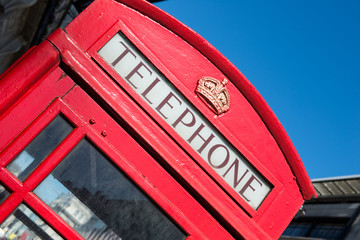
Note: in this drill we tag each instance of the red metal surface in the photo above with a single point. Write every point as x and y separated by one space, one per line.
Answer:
183 78
29 106
139 166
246 128
240 81
51 218
25 73
147 173
21 192
193 194
104 89
78 31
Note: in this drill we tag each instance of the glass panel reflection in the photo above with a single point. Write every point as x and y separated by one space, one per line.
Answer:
97 200
24 224
3 194
42 145
72 210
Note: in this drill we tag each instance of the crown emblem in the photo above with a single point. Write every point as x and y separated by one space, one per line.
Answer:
214 94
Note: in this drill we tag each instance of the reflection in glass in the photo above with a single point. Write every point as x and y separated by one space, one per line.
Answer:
3 194
72 210
40 148
97 200
24 224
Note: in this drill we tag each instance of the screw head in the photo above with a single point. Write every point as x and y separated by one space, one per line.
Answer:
104 133
92 121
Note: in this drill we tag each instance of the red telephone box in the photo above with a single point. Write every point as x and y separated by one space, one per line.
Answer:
128 125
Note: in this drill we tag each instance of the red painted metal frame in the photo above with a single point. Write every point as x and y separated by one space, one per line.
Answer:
211 198
25 73
139 166
26 107
21 192
277 187
228 69
104 89
243 85
78 50
145 171
264 217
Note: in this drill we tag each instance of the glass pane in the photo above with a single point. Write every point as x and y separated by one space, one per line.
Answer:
24 224
43 144
3 194
72 210
95 198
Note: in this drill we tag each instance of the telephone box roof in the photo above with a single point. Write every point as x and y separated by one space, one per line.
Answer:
238 79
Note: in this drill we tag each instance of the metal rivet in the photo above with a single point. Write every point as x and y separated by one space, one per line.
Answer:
92 121
104 133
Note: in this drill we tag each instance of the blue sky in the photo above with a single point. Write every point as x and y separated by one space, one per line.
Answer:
304 59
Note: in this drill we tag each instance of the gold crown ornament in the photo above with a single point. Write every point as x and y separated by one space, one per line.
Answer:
214 94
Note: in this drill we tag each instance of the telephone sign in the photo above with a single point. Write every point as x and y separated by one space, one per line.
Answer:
127 124
158 92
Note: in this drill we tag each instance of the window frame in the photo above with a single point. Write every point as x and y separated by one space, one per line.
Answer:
21 192
276 186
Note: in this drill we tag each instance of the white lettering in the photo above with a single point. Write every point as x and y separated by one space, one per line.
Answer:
185 119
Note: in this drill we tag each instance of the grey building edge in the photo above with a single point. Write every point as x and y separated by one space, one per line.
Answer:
335 214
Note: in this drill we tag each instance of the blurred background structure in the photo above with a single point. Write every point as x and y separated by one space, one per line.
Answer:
334 215
24 23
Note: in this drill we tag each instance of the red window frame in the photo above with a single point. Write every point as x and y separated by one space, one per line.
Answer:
100 85
119 26
76 106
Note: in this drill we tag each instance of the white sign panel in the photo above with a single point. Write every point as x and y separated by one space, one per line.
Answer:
185 119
